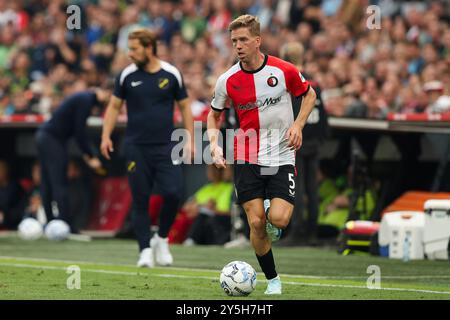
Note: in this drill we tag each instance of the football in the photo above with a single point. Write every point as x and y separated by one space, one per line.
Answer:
30 229
238 278
57 230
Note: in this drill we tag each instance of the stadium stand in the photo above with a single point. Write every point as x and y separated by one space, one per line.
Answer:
390 79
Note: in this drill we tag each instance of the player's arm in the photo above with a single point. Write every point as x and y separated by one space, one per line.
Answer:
294 133
81 117
218 102
213 127
306 107
188 122
109 122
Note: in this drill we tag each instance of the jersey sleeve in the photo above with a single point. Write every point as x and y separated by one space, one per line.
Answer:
220 95
119 88
180 90
296 84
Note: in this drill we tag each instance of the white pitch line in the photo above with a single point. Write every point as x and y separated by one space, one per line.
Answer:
284 275
18 265
365 277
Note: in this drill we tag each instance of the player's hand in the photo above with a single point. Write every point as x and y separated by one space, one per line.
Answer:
94 163
217 157
295 137
106 147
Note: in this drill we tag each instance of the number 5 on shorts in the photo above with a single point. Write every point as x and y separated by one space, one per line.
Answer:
291 184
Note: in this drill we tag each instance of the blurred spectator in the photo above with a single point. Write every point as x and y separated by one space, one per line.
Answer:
210 208
19 73
11 195
7 45
129 21
218 24
103 41
339 199
363 72
193 25
437 101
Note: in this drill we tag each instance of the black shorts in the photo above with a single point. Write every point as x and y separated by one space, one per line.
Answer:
253 181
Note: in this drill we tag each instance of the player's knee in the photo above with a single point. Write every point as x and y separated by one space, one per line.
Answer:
257 224
280 221
283 223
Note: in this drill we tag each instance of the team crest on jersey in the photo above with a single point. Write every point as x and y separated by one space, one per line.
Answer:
272 81
163 83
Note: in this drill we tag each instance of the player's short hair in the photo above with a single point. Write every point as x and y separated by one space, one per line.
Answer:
145 37
292 52
246 21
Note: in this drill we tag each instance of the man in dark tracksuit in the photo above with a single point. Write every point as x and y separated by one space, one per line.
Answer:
303 229
68 120
150 88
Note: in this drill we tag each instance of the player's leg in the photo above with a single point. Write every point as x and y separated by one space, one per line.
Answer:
257 222
60 184
262 244
250 189
140 182
45 188
169 178
281 191
280 212
54 152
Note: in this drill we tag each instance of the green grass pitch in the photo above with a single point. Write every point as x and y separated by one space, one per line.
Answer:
38 270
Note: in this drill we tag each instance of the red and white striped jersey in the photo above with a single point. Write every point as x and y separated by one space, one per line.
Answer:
262 100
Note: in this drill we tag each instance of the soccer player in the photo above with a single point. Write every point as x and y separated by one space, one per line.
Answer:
261 88
68 120
150 87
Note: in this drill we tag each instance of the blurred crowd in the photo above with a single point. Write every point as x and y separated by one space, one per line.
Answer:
365 70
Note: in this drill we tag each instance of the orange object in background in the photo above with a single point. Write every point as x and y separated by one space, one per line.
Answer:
414 201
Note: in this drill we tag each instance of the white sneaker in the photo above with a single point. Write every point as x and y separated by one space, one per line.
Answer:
146 259
161 250
274 286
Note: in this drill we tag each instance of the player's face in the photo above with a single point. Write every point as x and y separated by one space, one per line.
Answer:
244 43
138 53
